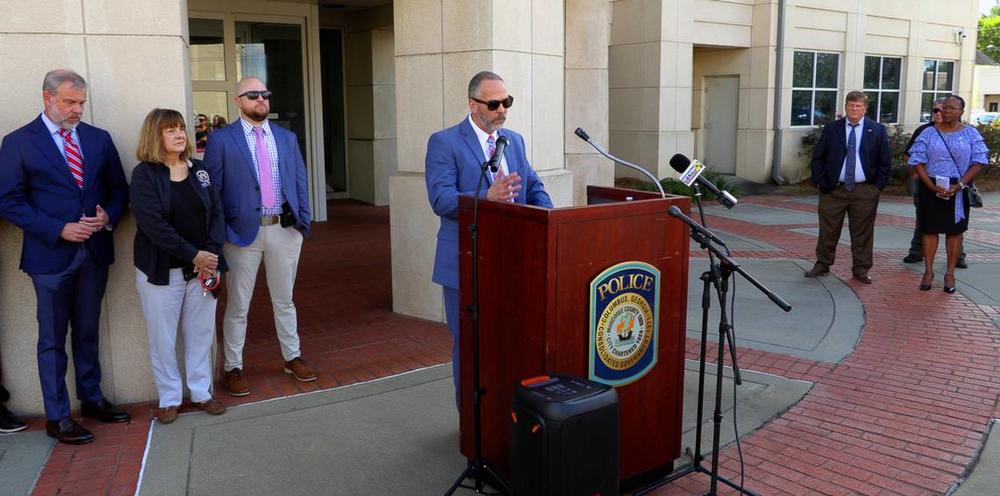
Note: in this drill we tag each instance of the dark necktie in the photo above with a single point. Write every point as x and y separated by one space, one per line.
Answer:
852 159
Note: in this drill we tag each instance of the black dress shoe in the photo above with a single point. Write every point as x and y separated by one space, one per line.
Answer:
103 411
9 423
911 258
67 431
961 264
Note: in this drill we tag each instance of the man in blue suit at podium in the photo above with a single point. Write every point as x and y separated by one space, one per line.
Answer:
454 161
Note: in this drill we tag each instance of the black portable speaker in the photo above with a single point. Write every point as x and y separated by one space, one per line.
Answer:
564 438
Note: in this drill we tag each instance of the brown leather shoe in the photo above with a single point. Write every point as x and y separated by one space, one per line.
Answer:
818 271
67 431
300 369
863 278
167 415
235 384
211 407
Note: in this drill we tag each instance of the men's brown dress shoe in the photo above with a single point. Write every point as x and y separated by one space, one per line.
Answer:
104 411
863 278
167 415
817 271
67 431
211 407
235 384
300 369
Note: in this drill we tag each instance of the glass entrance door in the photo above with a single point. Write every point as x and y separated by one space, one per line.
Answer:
225 49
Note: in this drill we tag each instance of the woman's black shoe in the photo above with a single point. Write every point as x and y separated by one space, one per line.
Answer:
949 289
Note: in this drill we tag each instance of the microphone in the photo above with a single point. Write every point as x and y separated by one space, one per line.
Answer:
676 212
600 149
690 171
494 161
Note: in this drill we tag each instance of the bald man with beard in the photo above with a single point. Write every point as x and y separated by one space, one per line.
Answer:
261 176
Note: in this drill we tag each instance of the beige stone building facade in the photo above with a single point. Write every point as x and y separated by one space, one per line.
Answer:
363 83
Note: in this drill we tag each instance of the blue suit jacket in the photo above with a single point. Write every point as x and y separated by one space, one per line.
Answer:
828 156
37 193
452 168
227 157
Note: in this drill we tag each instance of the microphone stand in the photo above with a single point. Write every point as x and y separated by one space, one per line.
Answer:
716 276
478 468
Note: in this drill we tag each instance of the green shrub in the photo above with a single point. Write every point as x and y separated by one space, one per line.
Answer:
898 138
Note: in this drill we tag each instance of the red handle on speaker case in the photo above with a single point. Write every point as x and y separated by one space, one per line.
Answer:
535 380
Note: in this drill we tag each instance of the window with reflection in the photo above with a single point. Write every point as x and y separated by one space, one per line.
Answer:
211 112
882 85
814 87
938 82
207 53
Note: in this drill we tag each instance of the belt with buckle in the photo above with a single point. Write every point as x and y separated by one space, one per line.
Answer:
270 220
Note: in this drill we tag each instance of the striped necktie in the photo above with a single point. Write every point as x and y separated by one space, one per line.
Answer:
74 159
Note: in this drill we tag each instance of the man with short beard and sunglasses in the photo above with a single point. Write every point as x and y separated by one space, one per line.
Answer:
261 177
454 159
62 183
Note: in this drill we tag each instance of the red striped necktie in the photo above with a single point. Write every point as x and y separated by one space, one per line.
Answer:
74 159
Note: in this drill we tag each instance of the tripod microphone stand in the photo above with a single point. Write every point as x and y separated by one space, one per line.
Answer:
716 276
478 468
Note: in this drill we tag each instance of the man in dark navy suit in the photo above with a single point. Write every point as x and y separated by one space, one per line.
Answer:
452 166
62 183
850 166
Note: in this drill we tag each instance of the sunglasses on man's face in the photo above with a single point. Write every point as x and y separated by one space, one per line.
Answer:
495 104
253 95
936 111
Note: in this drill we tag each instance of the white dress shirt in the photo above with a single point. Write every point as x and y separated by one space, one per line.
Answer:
859 171
486 149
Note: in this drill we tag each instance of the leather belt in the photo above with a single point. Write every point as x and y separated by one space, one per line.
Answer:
270 220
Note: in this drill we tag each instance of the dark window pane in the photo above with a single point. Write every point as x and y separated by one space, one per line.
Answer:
826 107
802 70
208 62
944 75
871 72
801 107
926 102
891 68
872 105
929 66
888 107
826 70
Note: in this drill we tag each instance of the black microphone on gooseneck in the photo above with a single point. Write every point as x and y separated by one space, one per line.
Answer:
687 168
494 162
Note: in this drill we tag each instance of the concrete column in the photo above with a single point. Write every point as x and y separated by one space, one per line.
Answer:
371 113
650 71
111 44
588 32
440 44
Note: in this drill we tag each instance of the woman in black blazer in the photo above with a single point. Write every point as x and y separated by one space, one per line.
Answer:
178 253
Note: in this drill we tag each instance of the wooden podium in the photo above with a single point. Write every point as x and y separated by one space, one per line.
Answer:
536 266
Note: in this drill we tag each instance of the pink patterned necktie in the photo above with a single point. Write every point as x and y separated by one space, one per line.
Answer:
264 170
74 159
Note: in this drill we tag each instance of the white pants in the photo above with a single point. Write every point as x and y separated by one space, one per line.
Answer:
279 247
180 302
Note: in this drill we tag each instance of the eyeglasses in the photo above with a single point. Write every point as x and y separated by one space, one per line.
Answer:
253 95
495 104
936 111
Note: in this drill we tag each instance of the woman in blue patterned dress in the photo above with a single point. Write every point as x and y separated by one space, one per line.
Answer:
947 157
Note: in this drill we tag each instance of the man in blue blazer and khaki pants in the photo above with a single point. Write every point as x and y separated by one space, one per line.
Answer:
262 179
850 165
61 182
452 167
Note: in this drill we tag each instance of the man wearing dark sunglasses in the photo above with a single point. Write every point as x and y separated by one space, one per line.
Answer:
916 253
453 164
262 180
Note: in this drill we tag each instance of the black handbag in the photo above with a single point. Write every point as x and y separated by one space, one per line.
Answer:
975 198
